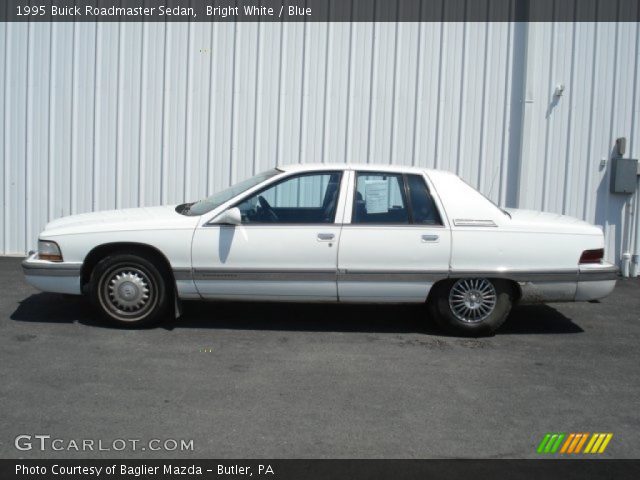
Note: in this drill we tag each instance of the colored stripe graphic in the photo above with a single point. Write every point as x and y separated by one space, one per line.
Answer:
572 443
598 442
581 443
543 443
567 442
550 443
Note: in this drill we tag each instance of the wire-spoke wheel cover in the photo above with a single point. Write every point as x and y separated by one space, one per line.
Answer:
472 300
128 292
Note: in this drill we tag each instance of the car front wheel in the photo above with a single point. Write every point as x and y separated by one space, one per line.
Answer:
471 306
129 290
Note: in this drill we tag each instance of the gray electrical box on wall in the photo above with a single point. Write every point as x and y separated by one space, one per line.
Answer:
624 175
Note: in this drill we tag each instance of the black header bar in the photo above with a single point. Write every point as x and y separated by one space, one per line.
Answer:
320 10
548 469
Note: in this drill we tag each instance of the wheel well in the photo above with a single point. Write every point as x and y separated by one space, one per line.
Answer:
102 251
515 288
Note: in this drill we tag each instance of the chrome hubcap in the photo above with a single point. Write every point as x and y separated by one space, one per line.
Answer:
128 292
472 299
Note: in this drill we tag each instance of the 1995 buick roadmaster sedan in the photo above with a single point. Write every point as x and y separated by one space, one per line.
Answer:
327 233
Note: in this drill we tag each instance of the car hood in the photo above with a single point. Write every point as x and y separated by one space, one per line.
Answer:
146 218
551 222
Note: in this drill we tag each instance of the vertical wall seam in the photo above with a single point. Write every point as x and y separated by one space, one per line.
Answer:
5 169
462 98
51 159
94 177
281 66
325 89
119 147
27 147
634 94
142 126
568 161
234 92
509 79
304 90
634 241
349 116
439 107
165 118
614 92
186 169
72 134
587 196
394 98
5 147
545 165
372 78
257 131
483 114
212 96
417 93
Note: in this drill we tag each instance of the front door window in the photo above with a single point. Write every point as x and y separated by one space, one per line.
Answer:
300 199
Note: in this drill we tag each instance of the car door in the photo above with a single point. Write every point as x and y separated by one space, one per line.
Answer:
394 246
285 248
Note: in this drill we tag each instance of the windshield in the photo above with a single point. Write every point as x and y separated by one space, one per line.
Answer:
207 204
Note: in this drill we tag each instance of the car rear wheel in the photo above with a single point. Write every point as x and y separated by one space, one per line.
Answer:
471 306
129 290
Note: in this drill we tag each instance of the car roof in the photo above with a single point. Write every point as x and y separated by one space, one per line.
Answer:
304 167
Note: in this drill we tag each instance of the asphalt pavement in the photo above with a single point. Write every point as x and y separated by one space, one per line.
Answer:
248 380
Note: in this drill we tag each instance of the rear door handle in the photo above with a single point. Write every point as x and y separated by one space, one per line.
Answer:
326 237
430 238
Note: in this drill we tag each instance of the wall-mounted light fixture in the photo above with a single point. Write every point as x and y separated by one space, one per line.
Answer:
559 90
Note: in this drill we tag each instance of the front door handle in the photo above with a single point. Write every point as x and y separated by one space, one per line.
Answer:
430 238
326 237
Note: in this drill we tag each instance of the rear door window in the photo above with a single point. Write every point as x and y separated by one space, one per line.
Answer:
380 199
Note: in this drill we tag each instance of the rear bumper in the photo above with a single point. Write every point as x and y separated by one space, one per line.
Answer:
57 277
589 282
596 281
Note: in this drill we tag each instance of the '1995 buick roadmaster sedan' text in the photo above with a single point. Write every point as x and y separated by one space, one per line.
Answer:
327 233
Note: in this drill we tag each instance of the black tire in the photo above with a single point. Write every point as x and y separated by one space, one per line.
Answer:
447 313
130 290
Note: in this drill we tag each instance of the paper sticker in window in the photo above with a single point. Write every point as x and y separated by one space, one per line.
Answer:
376 196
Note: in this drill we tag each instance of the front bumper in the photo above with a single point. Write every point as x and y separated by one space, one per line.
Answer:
57 277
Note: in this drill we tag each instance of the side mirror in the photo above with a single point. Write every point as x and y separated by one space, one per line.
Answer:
229 217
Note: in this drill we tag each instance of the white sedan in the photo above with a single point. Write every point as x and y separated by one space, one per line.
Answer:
327 233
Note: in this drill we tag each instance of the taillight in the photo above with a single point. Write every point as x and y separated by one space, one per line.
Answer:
592 256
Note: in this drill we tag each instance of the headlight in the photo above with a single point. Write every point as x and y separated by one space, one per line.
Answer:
49 251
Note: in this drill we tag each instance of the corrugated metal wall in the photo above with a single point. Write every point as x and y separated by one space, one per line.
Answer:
566 138
99 116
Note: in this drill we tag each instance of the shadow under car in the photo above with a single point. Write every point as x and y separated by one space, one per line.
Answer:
382 318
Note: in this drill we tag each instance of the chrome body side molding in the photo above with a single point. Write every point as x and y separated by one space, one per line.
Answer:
472 222
535 285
